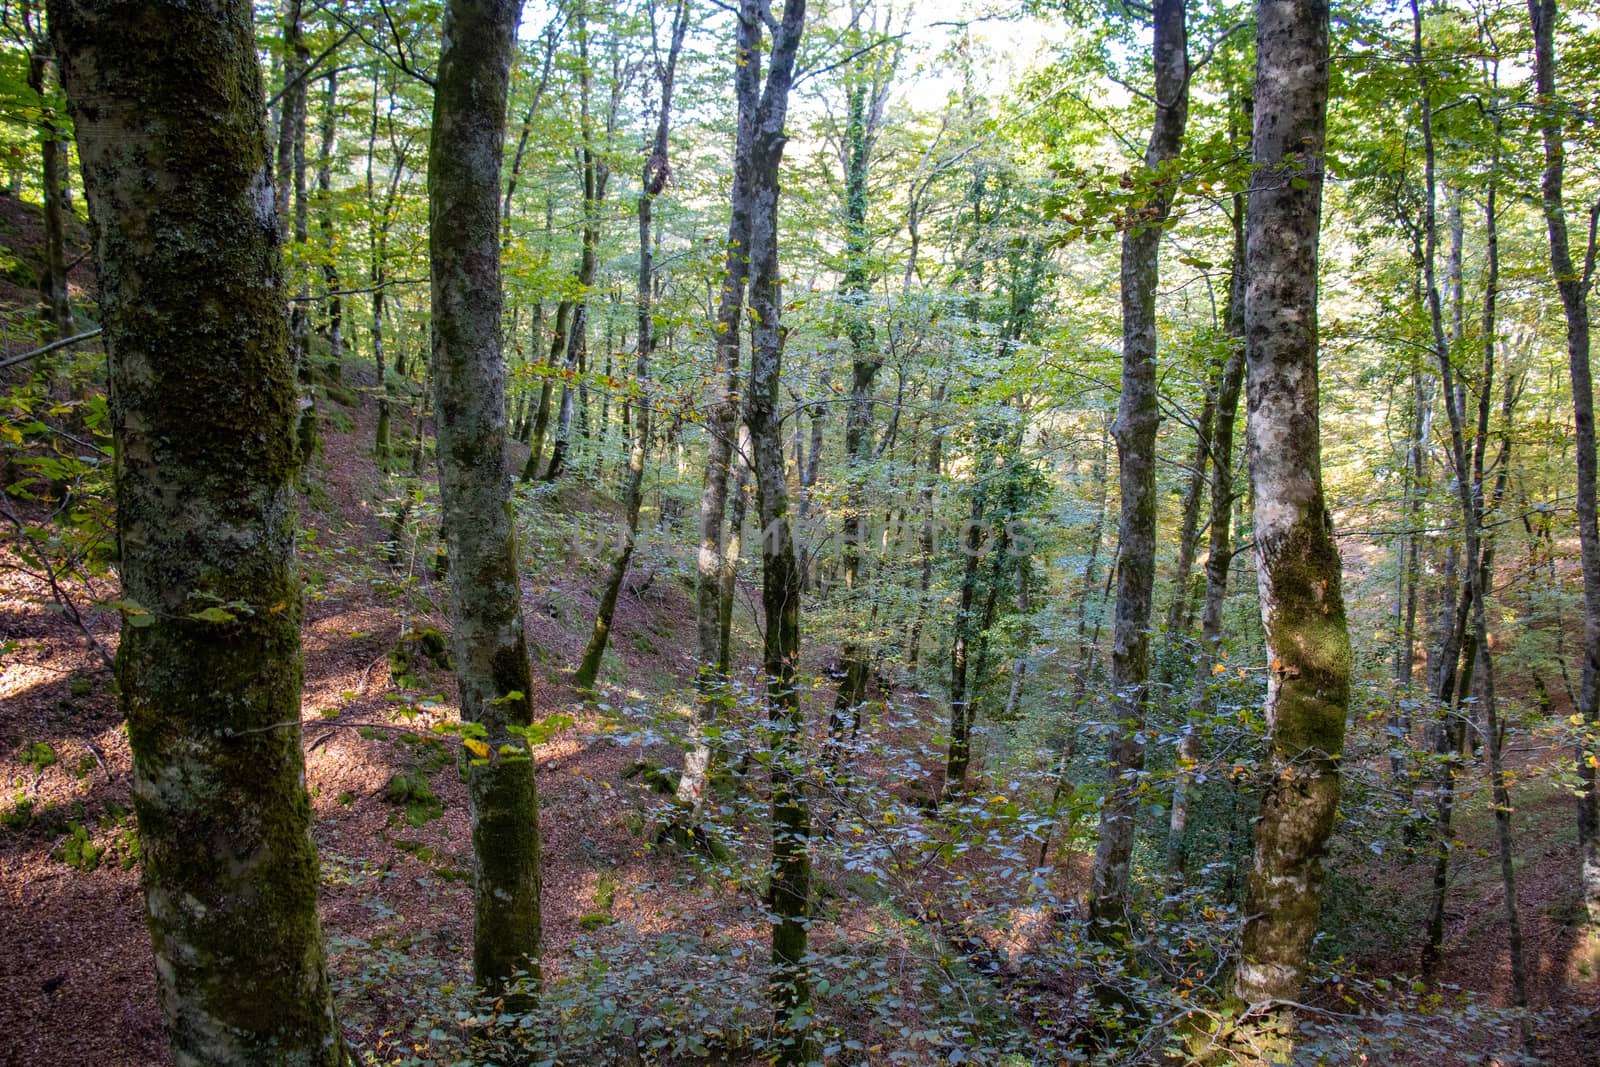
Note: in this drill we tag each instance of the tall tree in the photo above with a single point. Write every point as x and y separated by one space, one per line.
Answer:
654 180
1574 287
1138 415
491 652
1298 570
789 877
723 417
53 176
176 171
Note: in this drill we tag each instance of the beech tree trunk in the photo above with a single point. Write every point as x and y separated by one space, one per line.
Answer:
722 416
789 881
491 652
1574 289
1298 570
1219 558
1135 434
53 154
656 173
203 402
858 433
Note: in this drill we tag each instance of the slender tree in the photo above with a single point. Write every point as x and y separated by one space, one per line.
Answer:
491 653
789 878
723 416
1135 433
175 167
654 180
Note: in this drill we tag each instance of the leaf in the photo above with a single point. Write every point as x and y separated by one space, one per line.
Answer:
476 747
213 614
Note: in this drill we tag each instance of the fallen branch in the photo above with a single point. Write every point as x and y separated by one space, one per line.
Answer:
51 347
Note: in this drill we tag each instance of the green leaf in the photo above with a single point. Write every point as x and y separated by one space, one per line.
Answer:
213 614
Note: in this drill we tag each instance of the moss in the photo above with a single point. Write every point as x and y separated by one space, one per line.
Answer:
79 851
410 790
19 815
39 755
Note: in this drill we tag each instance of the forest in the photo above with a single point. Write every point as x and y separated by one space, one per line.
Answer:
801 532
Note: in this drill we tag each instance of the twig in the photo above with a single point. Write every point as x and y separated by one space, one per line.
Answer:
51 347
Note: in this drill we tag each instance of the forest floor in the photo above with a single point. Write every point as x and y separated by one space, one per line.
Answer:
76 973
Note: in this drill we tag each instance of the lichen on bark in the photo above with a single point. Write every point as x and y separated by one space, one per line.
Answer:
167 103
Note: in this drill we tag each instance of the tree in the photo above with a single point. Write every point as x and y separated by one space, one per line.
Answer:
789 878
654 180
491 652
1135 432
1574 286
176 173
1298 568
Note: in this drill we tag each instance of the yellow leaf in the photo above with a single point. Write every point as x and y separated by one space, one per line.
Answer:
476 747
1220 668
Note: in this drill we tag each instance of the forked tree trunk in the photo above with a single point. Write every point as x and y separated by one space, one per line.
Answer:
1135 433
203 408
491 652
1298 570
789 880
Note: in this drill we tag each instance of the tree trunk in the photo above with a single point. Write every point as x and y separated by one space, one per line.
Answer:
541 415
789 885
1219 558
1193 501
53 153
656 172
722 416
1574 290
491 651
858 433
925 536
203 407
330 267
1135 434
594 190
1302 605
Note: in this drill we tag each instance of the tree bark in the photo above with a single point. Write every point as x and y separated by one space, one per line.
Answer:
789 884
330 266
594 176
858 432
1219 559
491 652
656 173
723 413
1135 432
209 671
1574 290
53 153
1298 570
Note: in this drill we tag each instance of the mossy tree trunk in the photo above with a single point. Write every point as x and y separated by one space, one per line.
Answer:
1298 569
1138 416
859 443
167 103
491 653
1574 287
789 880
